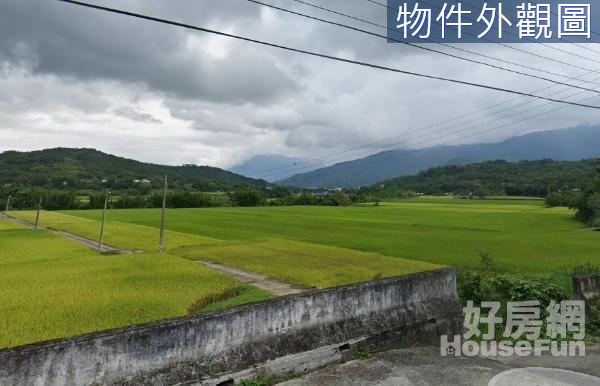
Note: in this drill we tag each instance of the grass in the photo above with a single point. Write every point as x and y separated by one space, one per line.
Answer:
304 264
117 234
245 294
521 235
70 289
53 287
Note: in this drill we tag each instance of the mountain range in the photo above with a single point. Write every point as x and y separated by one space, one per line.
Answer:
565 144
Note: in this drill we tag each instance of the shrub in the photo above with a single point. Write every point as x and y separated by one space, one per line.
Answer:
246 197
261 380
568 199
588 204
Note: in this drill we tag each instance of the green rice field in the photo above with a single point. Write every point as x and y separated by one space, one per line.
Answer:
54 287
57 287
521 235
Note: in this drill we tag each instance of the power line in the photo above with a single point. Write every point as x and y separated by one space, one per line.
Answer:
286 170
298 50
438 43
442 44
502 44
412 151
556 14
541 43
351 151
413 45
325 56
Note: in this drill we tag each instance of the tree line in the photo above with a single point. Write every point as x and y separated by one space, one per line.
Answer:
23 199
586 202
524 178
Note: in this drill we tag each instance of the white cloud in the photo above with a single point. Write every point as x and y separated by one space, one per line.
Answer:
79 78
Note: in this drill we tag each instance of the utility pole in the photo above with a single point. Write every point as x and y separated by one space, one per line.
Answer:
163 214
103 218
37 216
7 206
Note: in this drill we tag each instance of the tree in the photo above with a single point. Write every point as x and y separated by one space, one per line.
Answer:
340 199
588 205
246 197
568 199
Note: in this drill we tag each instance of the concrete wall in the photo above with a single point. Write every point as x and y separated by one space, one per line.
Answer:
587 288
391 312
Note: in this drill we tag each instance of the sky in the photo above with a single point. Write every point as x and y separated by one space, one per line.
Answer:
76 77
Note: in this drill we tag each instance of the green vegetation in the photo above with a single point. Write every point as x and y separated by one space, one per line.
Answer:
244 294
304 264
312 246
54 287
73 178
246 197
363 353
117 234
301 263
524 178
588 204
487 284
522 235
568 199
318 266
261 380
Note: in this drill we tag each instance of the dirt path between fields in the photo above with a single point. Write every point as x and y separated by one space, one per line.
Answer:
275 287
82 240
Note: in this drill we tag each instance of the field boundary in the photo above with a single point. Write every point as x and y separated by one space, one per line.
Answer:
273 286
80 239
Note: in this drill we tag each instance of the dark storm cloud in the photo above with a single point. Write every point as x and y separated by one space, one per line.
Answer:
61 39
79 77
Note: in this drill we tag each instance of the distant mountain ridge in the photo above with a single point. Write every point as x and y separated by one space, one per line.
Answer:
69 168
522 178
272 166
566 144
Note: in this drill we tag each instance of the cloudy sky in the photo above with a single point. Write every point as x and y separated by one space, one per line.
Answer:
77 77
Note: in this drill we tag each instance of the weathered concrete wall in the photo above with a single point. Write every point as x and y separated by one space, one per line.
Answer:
587 288
392 312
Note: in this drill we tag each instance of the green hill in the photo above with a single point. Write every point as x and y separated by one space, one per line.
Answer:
523 178
79 169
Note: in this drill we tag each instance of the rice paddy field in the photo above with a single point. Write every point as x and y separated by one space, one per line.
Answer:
57 287
521 235
54 287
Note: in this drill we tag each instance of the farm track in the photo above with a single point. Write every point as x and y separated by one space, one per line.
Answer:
275 287
82 240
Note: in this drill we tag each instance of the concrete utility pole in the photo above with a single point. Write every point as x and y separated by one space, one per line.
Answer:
163 214
7 206
103 218
37 216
